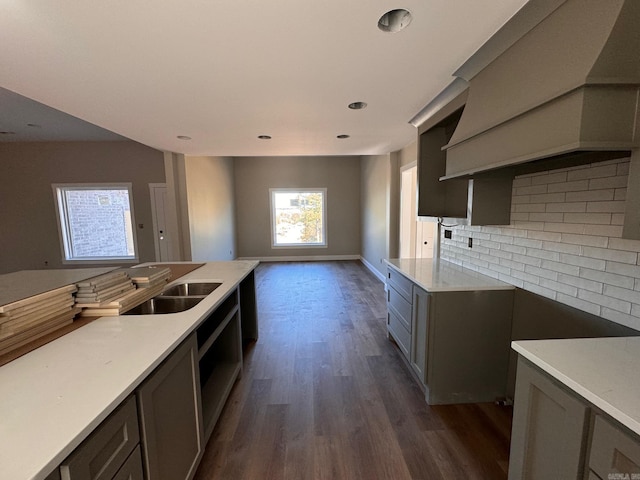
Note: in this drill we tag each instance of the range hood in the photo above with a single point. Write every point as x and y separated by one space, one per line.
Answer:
569 86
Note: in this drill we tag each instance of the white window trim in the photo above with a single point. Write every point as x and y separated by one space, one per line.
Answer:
63 226
325 244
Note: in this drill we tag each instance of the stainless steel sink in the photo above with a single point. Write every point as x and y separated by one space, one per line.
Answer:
160 304
190 289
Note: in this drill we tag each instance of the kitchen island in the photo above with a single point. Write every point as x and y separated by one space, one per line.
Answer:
54 397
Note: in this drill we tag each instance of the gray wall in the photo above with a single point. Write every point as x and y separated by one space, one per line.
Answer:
28 226
210 205
339 175
375 188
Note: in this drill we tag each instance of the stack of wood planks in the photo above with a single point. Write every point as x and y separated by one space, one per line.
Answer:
118 291
30 318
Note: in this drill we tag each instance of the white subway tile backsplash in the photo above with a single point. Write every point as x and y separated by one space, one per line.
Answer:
592 263
582 283
621 318
595 218
547 178
605 301
619 256
578 303
610 207
593 172
568 186
608 278
564 241
562 247
608 182
589 240
604 230
591 195
577 207
622 294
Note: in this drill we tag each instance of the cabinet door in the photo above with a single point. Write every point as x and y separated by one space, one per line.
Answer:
171 417
549 429
420 332
101 455
614 453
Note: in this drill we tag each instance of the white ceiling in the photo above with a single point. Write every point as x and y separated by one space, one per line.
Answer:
223 72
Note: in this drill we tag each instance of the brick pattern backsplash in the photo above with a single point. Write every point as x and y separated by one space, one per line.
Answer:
564 241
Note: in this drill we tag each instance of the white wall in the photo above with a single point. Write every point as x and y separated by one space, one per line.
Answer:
211 208
564 241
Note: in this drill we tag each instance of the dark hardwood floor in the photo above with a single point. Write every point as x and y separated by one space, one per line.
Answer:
325 394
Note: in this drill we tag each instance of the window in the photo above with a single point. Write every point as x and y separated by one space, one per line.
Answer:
298 217
96 222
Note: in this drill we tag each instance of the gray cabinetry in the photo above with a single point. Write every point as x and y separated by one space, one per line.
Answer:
171 418
420 329
614 452
549 429
399 298
101 455
558 434
456 342
132 468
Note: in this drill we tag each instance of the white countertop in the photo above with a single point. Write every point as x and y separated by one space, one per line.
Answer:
604 371
54 396
442 276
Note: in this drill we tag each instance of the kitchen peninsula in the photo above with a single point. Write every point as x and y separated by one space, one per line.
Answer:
54 397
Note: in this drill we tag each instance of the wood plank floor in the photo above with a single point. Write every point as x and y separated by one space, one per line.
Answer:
325 394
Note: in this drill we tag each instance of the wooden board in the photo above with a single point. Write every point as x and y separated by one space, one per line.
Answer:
37 298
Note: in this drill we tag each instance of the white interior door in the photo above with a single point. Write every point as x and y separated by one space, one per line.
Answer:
408 179
161 235
426 232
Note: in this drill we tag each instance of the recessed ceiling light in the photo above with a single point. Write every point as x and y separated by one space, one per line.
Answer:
343 136
264 137
395 20
184 137
357 105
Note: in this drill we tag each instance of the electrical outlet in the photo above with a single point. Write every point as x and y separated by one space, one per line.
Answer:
447 233
470 242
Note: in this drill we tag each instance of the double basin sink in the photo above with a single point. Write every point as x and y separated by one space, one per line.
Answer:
176 298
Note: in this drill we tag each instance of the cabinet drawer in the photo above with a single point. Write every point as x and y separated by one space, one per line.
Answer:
132 468
101 455
399 333
400 307
613 451
401 283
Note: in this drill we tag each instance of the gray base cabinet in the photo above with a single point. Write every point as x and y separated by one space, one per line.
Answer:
558 434
456 342
549 429
104 453
171 417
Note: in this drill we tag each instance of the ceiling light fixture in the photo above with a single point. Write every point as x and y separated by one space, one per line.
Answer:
357 105
264 137
183 137
395 20
344 135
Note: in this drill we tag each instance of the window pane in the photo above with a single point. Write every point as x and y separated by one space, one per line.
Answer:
97 223
298 217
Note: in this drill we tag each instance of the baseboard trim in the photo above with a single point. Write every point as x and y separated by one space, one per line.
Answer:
373 270
303 258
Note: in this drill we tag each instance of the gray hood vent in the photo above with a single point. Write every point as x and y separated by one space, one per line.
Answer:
569 85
